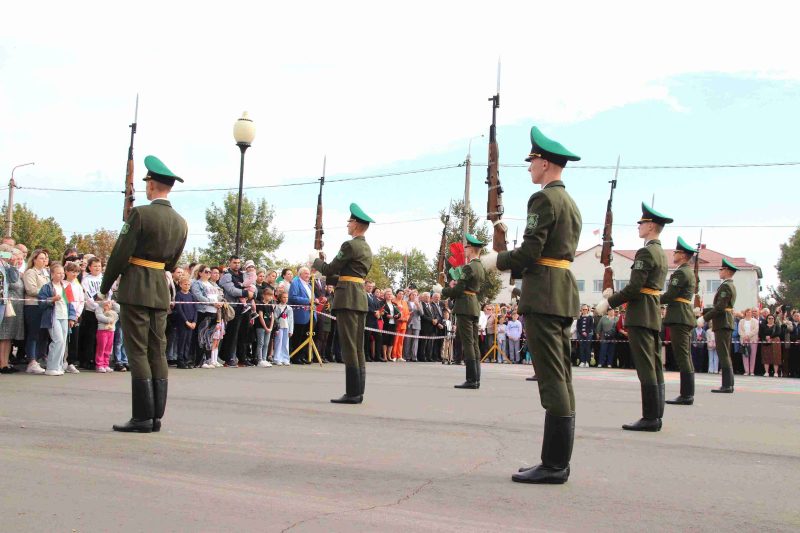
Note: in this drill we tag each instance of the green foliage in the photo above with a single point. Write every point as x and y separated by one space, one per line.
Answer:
789 271
258 241
35 232
455 233
377 273
99 243
401 269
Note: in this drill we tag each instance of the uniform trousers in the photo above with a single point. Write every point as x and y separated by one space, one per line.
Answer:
723 338
350 328
549 339
145 340
681 337
645 347
467 329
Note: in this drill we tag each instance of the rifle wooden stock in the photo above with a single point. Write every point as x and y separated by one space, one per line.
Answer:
698 302
129 192
605 253
318 244
441 274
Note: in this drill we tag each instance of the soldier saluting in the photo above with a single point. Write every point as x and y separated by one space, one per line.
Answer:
347 271
721 316
549 300
680 318
150 241
643 320
467 309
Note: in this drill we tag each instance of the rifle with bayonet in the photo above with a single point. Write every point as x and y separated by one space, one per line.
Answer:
318 231
608 241
698 301
129 189
441 261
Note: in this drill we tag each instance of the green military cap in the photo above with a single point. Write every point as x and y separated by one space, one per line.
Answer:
727 264
472 240
359 214
546 148
651 215
158 171
683 247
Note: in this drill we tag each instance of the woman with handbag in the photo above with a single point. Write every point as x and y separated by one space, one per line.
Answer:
13 292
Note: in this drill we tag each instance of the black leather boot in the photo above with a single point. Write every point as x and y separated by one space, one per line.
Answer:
142 408
661 395
159 402
352 387
687 390
477 372
470 370
363 376
727 381
559 435
650 409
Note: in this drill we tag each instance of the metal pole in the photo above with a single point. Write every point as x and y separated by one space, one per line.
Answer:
465 214
10 209
243 147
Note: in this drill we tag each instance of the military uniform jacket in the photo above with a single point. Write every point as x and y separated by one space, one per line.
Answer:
722 312
354 259
649 271
681 285
552 231
472 276
154 232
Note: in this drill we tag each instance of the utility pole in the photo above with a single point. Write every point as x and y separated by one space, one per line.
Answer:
10 209
465 214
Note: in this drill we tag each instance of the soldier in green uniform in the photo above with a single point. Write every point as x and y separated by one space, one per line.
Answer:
549 300
643 319
721 316
680 318
347 272
150 241
464 293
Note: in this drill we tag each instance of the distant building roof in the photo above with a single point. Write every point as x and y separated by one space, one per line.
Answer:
709 259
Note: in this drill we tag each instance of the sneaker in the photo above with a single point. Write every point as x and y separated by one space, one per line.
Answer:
218 364
100 370
268 364
109 369
263 364
34 368
53 372
72 370
206 365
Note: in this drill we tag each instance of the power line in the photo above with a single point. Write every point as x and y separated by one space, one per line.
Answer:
661 167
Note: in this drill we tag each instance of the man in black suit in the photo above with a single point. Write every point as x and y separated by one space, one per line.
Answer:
437 310
428 329
374 305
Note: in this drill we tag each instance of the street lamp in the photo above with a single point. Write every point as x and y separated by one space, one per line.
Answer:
10 208
244 131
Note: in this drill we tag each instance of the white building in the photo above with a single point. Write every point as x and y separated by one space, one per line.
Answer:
589 274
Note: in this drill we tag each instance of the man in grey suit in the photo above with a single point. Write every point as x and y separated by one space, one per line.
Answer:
414 324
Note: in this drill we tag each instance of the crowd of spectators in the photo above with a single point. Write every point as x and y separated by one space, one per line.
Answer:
239 315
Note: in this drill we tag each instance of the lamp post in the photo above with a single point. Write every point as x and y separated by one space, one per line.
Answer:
467 178
244 131
10 209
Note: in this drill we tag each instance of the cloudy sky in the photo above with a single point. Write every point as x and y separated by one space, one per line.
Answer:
382 89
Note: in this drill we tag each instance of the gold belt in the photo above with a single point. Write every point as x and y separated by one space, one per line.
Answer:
351 278
683 301
550 262
471 293
138 261
729 309
651 292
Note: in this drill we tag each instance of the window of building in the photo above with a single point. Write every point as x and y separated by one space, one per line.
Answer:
712 285
581 285
598 285
620 284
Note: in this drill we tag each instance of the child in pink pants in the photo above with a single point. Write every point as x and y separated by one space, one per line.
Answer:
107 314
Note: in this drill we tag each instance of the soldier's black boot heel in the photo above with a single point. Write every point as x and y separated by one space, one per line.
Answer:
686 396
471 382
142 408
160 402
353 393
651 402
559 435
727 381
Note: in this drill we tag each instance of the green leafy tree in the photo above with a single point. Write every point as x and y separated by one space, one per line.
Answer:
402 269
35 232
377 273
99 243
454 233
789 271
257 241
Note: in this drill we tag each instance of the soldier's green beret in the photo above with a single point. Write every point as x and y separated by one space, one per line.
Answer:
651 215
685 248
158 171
472 240
546 148
727 264
359 214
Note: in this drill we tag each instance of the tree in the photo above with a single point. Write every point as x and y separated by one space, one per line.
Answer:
35 232
258 241
99 243
454 233
789 270
402 269
377 273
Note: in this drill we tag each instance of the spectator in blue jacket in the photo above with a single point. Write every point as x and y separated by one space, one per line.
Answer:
300 294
